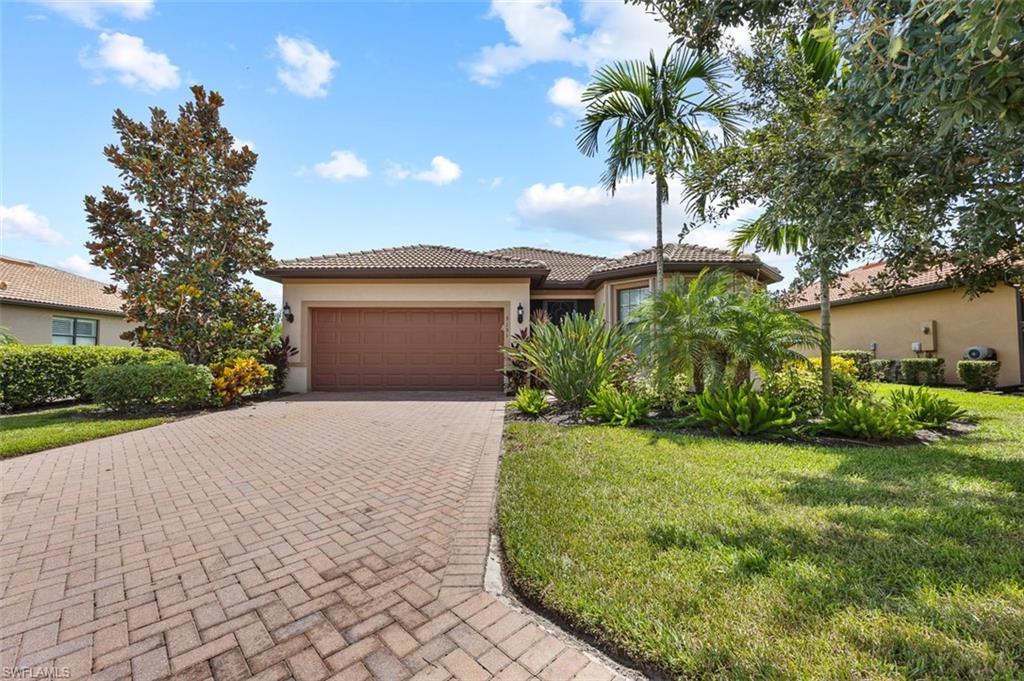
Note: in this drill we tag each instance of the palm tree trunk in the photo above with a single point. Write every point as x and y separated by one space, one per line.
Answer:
825 300
661 189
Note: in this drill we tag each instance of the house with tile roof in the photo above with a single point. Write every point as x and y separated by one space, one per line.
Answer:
42 305
926 317
427 316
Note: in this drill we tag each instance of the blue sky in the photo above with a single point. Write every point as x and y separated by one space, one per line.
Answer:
376 124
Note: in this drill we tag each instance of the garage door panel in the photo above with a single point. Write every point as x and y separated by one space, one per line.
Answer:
385 348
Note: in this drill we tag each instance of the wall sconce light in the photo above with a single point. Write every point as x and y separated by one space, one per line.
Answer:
519 313
286 313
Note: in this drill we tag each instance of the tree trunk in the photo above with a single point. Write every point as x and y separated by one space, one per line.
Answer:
825 300
661 189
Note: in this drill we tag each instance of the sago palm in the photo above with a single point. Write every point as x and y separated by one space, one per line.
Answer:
657 115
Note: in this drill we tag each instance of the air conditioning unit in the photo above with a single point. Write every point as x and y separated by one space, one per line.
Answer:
979 352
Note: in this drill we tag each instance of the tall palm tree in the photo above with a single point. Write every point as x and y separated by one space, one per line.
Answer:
658 113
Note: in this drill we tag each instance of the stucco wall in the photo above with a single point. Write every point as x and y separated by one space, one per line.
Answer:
304 294
894 323
33 325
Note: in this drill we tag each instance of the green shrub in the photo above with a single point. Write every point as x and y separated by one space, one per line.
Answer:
532 401
617 407
800 383
978 374
926 407
236 378
883 370
669 395
740 410
922 370
864 419
860 358
32 375
140 386
575 357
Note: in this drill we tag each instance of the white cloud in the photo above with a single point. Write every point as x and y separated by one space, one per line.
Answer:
557 119
342 166
238 144
496 182
539 31
306 70
442 171
567 93
20 221
135 64
81 266
89 12
627 217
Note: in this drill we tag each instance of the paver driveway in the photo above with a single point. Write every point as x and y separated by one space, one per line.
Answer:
321 536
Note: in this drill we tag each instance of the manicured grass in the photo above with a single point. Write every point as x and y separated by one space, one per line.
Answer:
25 433
723 558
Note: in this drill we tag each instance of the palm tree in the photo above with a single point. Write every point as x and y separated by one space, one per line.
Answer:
655 112
690 328
717 324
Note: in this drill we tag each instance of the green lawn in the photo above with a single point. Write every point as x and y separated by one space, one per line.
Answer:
25 433
718 558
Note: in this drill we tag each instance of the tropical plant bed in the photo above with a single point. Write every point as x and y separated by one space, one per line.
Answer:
700 556
674 424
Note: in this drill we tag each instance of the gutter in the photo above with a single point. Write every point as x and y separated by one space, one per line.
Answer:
60 306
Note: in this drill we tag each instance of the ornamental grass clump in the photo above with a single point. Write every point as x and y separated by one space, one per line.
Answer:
575 357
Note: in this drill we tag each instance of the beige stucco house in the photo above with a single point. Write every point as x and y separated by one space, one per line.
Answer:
436 316
42 305
925 318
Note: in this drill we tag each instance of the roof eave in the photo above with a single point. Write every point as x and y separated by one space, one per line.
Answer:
881 295
61 306
761 271
281 273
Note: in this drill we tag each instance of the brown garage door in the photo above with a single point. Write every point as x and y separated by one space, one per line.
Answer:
406 348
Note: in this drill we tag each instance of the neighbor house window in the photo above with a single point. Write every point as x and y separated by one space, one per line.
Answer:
72 331
629 301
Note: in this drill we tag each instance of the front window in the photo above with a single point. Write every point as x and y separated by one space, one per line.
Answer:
72 331
630 300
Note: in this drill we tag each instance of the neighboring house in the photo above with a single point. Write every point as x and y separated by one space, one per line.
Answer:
42 305
926 317
435 316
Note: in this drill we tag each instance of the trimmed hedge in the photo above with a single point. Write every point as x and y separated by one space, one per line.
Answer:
883 370
978 374
140 386
33 375
922 370
861 359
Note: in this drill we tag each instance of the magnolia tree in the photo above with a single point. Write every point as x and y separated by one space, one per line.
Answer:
181 233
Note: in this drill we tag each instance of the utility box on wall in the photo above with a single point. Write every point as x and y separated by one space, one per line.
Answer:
928 336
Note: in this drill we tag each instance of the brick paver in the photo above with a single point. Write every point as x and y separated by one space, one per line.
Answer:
318 537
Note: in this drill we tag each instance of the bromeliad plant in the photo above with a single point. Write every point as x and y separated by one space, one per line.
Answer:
531 401
617 407
575 357
926 407
741 410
